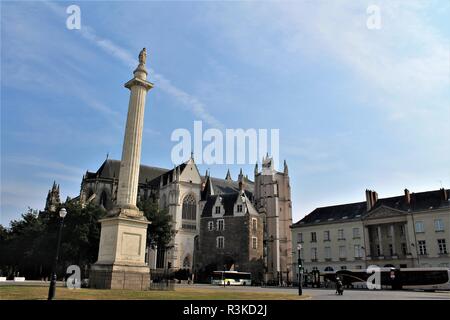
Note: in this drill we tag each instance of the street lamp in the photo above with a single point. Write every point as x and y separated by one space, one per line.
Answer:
51 290
300 291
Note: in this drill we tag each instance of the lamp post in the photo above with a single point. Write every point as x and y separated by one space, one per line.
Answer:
300 290
51 290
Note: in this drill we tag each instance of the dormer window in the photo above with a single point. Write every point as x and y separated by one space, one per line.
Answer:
217 209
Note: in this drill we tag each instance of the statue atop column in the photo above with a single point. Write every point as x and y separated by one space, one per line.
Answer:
121 257
143 56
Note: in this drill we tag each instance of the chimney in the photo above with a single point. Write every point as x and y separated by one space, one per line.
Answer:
444 194
374 198
371 199
368 200
407 197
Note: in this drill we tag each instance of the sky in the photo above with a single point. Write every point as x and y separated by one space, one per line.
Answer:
357 107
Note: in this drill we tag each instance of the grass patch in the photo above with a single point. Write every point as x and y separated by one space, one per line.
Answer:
40 293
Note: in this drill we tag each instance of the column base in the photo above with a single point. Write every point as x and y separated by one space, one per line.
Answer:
130 211
129 277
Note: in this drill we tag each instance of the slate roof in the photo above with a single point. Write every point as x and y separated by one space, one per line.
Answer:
223 186
110 169
152 176
421 201
167 176
228 201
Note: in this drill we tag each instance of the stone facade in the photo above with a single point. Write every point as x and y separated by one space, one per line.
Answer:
411 230
177 188
231 235
273 198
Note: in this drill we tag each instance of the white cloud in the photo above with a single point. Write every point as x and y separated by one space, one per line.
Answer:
42 163
401 66
189 101
59 176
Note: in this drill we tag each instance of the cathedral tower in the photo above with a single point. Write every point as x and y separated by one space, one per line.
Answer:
273 199
53 200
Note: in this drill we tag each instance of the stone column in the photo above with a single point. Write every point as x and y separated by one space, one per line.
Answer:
367 243
131 151
380 241
394 249
121 257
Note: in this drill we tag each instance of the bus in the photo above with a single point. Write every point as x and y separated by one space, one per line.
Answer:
404 278
231 278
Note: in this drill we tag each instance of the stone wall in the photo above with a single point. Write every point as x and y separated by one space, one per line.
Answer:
238 249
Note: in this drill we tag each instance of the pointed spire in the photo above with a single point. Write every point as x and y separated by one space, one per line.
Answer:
178 173
241 175
256 168
174 173
208 189
286 171
228 177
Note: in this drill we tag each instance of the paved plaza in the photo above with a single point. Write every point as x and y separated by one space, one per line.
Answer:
329 294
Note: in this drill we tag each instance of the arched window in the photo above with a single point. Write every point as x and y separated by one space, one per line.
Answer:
189 211
329 269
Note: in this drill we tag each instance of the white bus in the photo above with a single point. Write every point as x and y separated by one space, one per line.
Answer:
404 278
231 278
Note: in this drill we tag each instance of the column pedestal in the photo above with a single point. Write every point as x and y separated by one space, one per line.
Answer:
121 257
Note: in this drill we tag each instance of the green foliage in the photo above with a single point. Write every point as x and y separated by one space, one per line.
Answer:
21 244
81 234
29 245
160 232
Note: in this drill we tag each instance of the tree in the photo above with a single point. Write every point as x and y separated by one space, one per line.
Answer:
160 232
29 245
81 234
19 246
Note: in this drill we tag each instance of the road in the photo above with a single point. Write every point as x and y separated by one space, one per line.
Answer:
329 294
315 294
